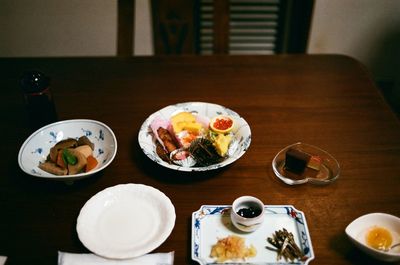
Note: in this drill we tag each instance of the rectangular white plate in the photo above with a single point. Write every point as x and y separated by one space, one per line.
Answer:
212 222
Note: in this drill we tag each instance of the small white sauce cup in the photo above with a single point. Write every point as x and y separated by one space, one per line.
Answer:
247 224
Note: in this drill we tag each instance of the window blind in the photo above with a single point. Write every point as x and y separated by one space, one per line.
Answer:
253 26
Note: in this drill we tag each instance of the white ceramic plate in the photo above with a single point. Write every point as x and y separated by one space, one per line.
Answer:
212 222
241 132
357 230
125 221
36 148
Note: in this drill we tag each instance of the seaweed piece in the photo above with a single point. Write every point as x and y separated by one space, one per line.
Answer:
204 152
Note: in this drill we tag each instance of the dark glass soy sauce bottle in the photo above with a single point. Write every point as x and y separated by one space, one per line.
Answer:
38 99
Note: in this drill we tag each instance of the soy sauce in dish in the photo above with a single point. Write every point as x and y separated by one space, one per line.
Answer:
249 212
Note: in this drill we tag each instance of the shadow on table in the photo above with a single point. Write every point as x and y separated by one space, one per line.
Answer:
351 253
37 185
384 62
189 249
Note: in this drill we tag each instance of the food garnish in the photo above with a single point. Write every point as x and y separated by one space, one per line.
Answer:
221 142
232 248
185 128
221 124
203 151
188 140
379 238
70 156
285 246
167 139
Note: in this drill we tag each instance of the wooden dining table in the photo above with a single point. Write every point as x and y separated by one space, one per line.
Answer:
329 101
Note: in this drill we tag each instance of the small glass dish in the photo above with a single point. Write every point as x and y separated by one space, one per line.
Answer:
329 170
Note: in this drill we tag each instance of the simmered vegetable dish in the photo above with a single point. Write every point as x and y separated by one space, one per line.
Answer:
70 156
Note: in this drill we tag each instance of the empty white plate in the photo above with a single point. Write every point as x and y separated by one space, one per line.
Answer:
125 221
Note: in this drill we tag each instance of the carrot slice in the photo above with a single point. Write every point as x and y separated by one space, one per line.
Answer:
91 163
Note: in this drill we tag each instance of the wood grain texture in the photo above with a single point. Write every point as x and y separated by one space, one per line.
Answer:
325 100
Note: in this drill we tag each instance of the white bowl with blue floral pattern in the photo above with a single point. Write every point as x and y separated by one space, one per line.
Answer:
36 148
241 133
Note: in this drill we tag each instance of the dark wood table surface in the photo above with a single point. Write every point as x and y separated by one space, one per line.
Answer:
326 100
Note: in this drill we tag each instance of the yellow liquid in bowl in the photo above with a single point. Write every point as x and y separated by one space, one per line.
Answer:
379 238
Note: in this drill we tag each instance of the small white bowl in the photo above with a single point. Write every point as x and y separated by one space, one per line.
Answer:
36 148
247 224
358 229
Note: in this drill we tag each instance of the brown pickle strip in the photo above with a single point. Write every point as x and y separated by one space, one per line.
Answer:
285 246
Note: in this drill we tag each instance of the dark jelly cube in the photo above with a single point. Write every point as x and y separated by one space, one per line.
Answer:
296 161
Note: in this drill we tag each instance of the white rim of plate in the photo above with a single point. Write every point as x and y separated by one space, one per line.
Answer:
96 213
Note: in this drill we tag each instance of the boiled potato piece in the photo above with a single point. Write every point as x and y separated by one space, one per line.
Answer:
85 150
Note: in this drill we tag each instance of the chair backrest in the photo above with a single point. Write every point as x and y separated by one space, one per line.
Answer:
125 32
231 26
174 26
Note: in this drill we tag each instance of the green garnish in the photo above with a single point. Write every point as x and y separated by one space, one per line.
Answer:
212 135
69 158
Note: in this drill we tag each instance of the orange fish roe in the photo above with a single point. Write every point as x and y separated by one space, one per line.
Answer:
222 124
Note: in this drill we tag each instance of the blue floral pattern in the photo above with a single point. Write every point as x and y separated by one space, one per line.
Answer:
38 150
101 135
53 136
86 132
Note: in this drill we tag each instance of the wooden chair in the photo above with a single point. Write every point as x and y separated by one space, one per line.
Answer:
220 26
174 26
125 25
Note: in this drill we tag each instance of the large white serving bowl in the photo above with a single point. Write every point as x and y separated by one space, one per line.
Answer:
36 148
357 230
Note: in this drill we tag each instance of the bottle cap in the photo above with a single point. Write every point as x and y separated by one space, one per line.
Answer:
34 81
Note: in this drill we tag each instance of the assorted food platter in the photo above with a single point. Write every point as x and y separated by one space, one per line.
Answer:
125 221
240 134
212 222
